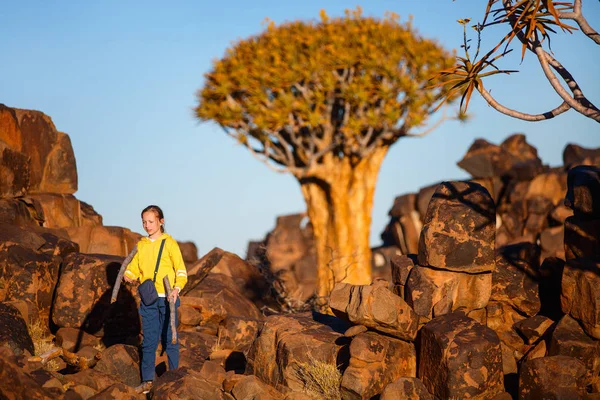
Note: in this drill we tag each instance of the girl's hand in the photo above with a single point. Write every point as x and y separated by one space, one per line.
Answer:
174 294
128 279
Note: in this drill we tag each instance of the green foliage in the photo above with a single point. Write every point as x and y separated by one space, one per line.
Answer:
342 86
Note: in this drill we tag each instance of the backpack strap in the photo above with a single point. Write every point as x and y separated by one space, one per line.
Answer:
162 244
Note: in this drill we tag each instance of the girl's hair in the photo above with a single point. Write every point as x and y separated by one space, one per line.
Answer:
158 212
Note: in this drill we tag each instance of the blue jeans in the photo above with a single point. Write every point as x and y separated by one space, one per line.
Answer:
156 324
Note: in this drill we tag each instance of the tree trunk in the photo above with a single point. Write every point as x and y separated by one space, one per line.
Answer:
339 200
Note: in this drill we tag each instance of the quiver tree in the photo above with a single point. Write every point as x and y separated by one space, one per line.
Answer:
324 101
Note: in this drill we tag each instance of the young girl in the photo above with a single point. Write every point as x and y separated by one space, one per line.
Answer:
156 317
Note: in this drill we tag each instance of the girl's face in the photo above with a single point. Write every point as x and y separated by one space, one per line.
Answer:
151 223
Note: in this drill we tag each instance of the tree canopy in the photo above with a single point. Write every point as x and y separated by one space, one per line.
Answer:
343 86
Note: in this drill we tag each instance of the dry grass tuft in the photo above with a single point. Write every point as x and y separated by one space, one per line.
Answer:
320 379
42 342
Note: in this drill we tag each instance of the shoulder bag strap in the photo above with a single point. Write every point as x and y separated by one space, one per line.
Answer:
162 244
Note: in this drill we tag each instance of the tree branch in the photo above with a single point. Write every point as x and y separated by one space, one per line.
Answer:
520 115
578 17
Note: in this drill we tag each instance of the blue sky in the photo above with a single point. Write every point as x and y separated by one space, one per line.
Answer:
120 78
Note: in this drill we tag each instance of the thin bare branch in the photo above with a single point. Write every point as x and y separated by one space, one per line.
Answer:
520 115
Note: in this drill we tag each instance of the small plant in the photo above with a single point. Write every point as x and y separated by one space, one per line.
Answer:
320 379
42 342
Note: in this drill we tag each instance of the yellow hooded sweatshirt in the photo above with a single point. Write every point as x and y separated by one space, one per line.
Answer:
171 263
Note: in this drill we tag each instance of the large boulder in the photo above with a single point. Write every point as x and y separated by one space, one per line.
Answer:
14 172
217 297
98 239
569 339
122 361
515 280
434 292
557 377
574 155
460 358
22 211
580 296
247 278
375 361
582 237
52 161
288 344
459 229
17 384
66 211
406 388
376 307
513 158
83 293
13 331
26 274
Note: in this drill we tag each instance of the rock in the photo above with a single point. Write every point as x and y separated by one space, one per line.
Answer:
28 275
515 280
13 331
406 388
514 158
552 242
65 211
551 186
560 213
509 363
83 293
96 380
583 194
289 252
110 240
238 333
381 261
287 344
502 318
538 351
375 307
376 361
29 311
582 237
433 292
195 348
355 330
51 158
250 387
189 252
231 379
551 272
118 391
187 384
405 225
533 328
569 339
580 296
188 315
73 339
247 278
459 229
220 292
423 198
574 155
401 267
122 361
557 377
21 211
213 372
460 358
14 172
